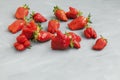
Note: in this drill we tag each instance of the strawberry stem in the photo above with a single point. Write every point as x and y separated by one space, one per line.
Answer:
26 6
89 16
55 8
103 38
79 13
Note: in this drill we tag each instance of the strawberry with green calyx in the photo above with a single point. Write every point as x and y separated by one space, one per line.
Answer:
60 14
53 26
22 12
60 41
89 32
38 17
100 43
74 39
79 22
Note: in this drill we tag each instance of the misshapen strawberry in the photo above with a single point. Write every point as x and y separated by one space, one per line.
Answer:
53 26
100 44
72 13
38 17
74 40
60 14
79 22
22 12
60 41
16 26
22 43
89 32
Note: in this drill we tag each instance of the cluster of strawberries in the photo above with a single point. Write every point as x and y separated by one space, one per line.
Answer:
31 29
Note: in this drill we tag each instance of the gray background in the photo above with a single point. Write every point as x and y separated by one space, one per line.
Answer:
42 63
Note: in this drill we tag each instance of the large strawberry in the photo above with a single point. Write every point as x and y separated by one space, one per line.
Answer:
16 26
72 13
22 12
38 17
53 26
79 22
60 41
60 14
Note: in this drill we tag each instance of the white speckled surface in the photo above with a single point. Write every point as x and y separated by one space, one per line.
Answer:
42 63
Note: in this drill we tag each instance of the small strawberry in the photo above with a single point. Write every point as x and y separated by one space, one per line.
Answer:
53 26
89 32
38 17
16 26
72 13
79 22
60 14
22 12
60 41
100 44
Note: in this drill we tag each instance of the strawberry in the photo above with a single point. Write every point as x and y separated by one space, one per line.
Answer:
79 23
16 26
72 13
60 41
89 32
60 14
100 44
42 36
74 39
38 17
53 26
22 12
30 28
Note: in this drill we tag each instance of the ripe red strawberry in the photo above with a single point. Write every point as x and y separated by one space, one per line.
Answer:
89 32
19 47
38 17
100 44
42 36
74 39
79 23
16 26
60 41
60 14
72 13
30 28
22 12
21 38
53 26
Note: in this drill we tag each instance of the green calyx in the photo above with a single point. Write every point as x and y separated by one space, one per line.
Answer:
55 8
31 15
26 6
88 18
71 43
79 13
